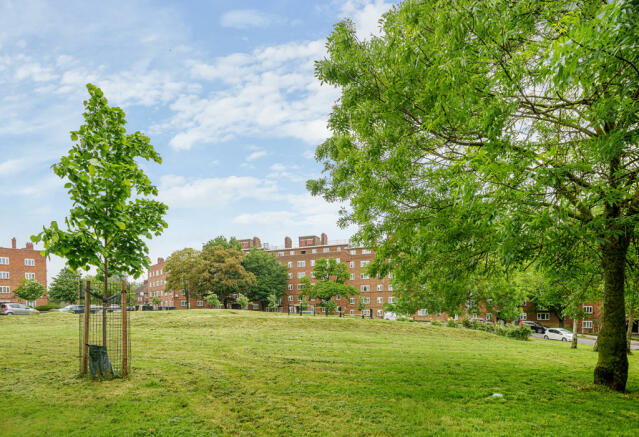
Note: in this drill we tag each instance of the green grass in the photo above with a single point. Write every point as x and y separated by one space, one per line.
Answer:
210 372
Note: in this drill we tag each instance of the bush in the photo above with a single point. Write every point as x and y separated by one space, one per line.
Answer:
404 319
436 323
451 323
466 323
44 308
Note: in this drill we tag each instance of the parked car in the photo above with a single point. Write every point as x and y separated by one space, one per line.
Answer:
75 309
534 326
558 334
33 311
10 309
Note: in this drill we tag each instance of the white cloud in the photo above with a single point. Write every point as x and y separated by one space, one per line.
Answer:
247 18
179 192
11 166
256 155
365 14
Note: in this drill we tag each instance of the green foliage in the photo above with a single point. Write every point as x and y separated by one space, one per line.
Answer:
220 271
471 134
231 243
466 323
436 323
180 269
271 277
49 307
29 289
273 301
304 304
331 276
213 300
330 306
242 300
111 212
65 286
451 323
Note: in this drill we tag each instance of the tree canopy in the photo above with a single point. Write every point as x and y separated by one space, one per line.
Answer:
271 277
331 277
30 289
65 286
472 133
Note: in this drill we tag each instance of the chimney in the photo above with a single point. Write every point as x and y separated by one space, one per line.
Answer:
257 242
324 239
288 243
13 243
29 246
160 260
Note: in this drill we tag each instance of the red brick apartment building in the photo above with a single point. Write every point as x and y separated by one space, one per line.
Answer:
154 288
17 265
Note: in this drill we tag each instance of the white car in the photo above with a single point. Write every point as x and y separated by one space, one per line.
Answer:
558 334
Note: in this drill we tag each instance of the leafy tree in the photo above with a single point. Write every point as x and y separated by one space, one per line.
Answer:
330 306
221 241
65 286
180 269
213 300
271 277
155 301
111 210
516 121
30 289
273 301
220 271
303 305
331 277
242 301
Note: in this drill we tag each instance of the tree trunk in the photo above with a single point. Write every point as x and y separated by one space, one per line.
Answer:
612 364
574 334
629 331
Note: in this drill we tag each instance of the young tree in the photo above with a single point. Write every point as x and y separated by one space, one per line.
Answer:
242 301
220 271
331 277
65 286
213 300
273 301
527 110
111 212
180 269
271 277
30 289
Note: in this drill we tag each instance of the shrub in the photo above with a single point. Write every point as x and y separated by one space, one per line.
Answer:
44 308
451 323
466 323
436 323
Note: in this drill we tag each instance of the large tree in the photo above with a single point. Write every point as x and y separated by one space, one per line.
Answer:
527 110
30 289
331 277
112 211
271 277
65 286
180 269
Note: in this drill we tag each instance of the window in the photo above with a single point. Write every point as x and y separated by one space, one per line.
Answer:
4 275
314 251
352 276
292 252
313 275
352 300
489 316
351 264
299 297
365 288
256 306
290 298
366 300
5 289
390 287
312 262
380 313
380 287
352 312
339 249
353 252
363 276
29 262
183 303
4 260
300 286
543 316
366 313
523 316
338 297
456 317
301 264
588 309
200 303
290 275
290 286
380 300
290 264
391 299
301 275
337 260
280 253
366 251
422 312
323 309
363 263
586 324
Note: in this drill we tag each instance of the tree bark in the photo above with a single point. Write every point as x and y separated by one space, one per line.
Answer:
612 364
629 331
574 334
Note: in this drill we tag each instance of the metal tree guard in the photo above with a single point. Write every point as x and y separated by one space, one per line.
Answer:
105 345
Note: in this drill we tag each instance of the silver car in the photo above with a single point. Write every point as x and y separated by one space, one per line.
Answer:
10 309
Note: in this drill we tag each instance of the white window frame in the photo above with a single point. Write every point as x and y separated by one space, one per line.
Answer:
363 276
313 250
353 252
312 263
199 303
391 299
290 264
352 301
352 277
29 262
4 260
380 287
29 275
545 316
280 253
301 264
338 297
183 303
326 250
4 275
351 264
364 288
301 275
380 300
290 287
290 298
588 309
523 316
422 312
586 324
5 289
366 300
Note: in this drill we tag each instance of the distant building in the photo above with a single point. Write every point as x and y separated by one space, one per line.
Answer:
17 265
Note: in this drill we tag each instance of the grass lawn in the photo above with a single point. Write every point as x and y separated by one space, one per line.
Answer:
223 372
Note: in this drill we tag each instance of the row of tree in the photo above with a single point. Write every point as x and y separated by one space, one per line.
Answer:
477 141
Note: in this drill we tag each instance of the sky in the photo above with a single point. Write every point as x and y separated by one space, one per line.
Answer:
225 90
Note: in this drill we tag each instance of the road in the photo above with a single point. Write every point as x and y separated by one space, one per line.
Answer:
587 341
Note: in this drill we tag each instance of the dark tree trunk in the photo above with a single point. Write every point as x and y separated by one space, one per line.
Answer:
612 365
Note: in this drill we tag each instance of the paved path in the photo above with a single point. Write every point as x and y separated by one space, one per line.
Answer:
588 341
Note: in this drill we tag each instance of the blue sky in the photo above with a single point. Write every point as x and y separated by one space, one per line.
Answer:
225 90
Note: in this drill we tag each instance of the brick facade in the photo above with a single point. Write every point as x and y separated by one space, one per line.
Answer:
18 264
